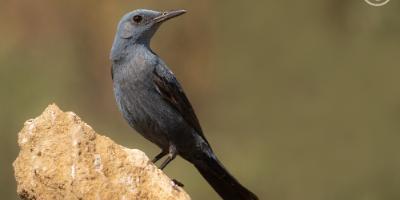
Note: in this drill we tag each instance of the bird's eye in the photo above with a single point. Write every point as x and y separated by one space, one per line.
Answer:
137 18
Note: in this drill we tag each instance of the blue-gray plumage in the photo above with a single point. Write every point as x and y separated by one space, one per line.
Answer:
153 102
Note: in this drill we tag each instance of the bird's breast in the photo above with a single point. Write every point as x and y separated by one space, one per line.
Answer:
134 88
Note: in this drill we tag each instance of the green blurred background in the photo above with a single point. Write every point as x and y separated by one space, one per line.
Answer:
300 99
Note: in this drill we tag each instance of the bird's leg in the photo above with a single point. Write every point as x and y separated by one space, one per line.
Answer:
159 156
171 155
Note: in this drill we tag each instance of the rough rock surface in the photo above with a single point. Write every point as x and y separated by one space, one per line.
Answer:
62 157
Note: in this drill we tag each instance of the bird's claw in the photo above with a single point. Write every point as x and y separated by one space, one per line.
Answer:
176 182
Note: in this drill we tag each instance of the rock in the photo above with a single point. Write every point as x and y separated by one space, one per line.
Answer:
62 157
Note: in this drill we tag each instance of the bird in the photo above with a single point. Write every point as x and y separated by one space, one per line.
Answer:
153 102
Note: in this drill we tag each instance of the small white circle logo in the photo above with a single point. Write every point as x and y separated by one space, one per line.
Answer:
377 3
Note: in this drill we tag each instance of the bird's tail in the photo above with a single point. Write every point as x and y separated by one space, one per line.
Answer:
221 180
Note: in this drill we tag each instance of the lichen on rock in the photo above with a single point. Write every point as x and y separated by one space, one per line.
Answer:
61 157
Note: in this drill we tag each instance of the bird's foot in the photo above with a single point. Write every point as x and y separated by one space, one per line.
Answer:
176 182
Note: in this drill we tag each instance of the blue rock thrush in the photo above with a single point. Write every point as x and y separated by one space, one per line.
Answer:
153 102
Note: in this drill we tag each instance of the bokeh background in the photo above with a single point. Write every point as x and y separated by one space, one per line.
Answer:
300 99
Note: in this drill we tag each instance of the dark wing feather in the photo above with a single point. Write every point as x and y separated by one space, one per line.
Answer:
112 72
170 89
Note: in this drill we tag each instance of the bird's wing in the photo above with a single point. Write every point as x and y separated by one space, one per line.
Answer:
170 89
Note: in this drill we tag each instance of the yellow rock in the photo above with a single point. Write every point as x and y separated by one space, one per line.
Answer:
62 157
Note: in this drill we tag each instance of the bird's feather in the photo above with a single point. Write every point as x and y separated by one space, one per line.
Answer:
171 91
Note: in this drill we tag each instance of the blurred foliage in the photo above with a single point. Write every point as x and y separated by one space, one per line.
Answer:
300 100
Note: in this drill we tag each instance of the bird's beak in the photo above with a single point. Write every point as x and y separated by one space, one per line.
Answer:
168 15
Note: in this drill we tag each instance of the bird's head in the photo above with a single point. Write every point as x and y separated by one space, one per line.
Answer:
139 26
